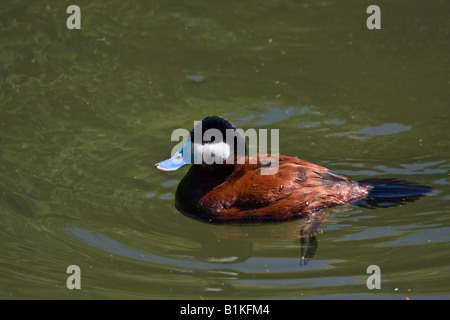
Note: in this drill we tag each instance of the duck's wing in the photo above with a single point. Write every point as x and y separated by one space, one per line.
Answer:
297 186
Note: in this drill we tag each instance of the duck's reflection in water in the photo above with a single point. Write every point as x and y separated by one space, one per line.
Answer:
235 243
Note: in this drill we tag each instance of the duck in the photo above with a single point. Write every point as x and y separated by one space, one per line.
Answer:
235 188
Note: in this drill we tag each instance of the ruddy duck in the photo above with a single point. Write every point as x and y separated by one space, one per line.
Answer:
237 190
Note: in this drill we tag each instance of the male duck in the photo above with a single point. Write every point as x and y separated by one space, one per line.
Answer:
232 191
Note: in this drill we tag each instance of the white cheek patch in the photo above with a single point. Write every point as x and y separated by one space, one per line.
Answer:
211 153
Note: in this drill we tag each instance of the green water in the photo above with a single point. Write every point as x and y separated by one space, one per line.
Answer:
85 114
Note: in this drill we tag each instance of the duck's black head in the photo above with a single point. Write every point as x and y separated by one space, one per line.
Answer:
214 140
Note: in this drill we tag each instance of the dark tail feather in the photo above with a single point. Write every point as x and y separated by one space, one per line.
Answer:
392 192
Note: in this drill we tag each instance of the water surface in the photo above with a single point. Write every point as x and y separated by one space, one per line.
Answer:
85 114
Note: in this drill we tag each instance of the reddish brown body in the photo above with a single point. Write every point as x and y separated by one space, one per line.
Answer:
226 193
